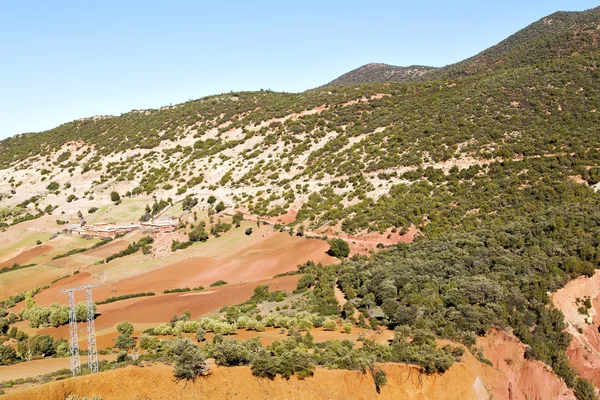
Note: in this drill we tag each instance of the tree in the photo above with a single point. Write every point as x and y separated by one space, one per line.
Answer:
199 233
61 347
200 333
338 248
264 365
248 231
126 328
238 217
8 355
584 390
189 202
124 342
220 207
81 310
189 362
114 197
212 199
42 344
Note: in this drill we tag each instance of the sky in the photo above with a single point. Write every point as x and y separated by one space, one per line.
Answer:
64 60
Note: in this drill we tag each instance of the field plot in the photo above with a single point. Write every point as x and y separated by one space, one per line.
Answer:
26 256
14 282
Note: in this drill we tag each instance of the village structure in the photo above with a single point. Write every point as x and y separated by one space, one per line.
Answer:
111 230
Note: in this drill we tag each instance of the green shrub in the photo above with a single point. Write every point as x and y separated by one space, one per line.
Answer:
338 248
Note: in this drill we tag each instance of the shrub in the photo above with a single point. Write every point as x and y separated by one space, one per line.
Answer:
338 248
248 231
92 210
114 197
329 325
380 378
218 283
584 390
177 290
8 355
229 352
188 360
52 186
177 245
125 297
200 333
199 233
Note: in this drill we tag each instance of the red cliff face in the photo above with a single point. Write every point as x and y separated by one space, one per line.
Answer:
584 351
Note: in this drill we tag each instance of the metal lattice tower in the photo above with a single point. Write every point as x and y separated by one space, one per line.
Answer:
73 338
91 331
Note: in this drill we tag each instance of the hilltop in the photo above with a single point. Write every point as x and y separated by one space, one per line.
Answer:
378 72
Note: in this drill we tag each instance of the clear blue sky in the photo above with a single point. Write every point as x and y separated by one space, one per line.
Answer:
63 60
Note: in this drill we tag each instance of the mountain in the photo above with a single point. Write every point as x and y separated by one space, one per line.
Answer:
561 34
377 72
465 201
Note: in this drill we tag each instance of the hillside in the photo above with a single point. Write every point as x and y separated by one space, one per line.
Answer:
377 72
464 201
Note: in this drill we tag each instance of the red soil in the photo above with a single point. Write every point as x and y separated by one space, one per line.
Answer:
469 379
277 253
25 256
108 249
523 378
584 350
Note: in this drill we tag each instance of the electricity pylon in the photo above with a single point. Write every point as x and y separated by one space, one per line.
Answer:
91 331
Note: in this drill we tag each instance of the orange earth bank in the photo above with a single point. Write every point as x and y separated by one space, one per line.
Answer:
584 350
469 379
